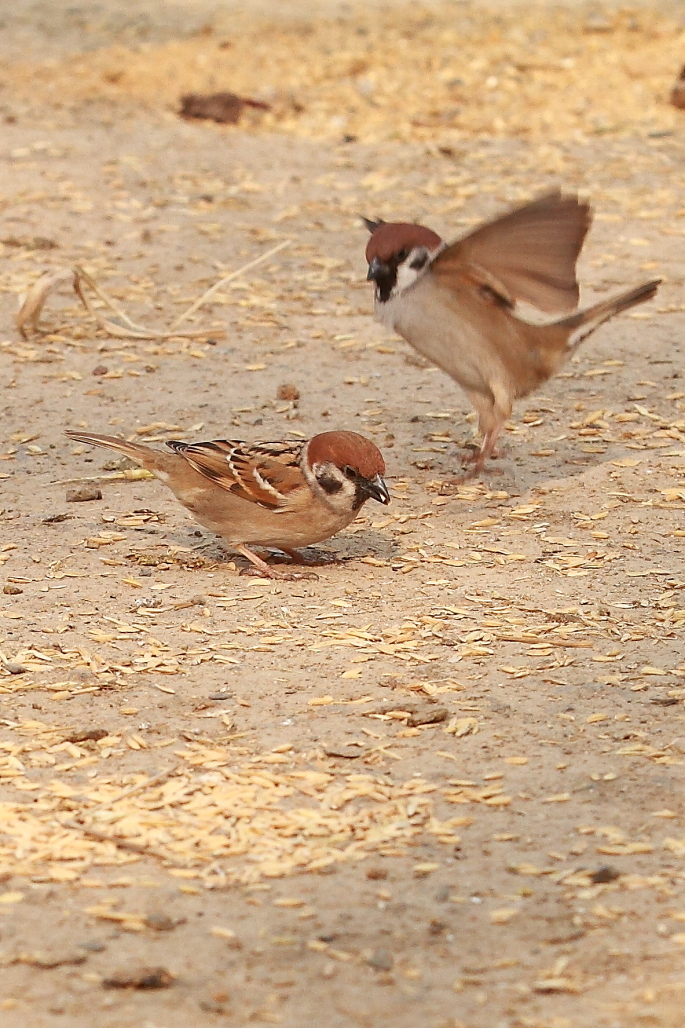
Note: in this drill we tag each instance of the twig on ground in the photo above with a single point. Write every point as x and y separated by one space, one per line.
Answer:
31 305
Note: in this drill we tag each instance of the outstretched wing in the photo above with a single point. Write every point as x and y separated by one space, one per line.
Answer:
262 473
529 254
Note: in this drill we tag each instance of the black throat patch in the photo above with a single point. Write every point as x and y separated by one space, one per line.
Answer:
360 496
386 283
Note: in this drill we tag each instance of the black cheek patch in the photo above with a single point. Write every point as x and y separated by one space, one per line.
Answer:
419 262
329 484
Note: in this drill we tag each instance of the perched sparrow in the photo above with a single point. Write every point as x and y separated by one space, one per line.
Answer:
455 303
278 495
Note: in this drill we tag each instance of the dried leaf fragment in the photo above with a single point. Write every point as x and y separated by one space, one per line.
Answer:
556 985
48 961
461 726
503 916
32 303
11 897
343 751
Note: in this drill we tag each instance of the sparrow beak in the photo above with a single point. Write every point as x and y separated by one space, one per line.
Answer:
376 489
377 270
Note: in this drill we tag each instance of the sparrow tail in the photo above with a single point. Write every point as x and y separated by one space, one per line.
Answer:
151 460
584 323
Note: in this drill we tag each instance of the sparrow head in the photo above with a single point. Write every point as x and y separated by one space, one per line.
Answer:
397 254
344 469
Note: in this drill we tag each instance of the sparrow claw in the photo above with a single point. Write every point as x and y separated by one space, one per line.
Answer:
276 574
478 458
453 483
322 561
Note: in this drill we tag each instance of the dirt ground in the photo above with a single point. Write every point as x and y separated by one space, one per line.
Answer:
442 784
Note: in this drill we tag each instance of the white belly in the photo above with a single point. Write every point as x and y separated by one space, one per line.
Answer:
441 336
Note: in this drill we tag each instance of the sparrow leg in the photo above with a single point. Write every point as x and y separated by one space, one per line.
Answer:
270 572
491 418
487 450
478 455
490 437
477 458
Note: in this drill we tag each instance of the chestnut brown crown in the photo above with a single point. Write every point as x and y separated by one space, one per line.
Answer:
346 449
391 238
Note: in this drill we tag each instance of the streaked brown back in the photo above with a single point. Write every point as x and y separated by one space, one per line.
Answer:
263 473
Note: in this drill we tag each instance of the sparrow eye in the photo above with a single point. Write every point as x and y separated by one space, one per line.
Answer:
349 472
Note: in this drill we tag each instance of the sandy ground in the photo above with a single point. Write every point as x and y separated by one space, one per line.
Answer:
237 781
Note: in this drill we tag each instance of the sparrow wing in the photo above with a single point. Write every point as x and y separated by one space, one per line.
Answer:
529 254
262 473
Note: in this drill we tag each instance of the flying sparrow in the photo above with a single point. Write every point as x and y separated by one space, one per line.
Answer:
278 495
456 303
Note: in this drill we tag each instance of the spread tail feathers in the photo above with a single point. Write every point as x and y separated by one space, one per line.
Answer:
581 325
151 460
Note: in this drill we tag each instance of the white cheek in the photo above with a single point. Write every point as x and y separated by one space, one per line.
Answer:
406 277
342 501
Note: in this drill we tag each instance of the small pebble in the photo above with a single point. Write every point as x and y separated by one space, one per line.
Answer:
143 978
288 392
376 874
88 734
427 717
604 874
84 493
381 960
160 922
212 1006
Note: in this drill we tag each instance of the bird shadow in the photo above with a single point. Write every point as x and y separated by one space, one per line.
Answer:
204 549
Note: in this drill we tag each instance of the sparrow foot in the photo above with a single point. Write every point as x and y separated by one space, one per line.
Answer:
263 570
478 458
453 483
277 575
311 562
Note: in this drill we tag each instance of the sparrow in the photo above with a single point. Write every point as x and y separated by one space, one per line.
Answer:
457 303
279 495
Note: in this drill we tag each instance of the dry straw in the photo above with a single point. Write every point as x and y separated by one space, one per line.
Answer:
31 305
